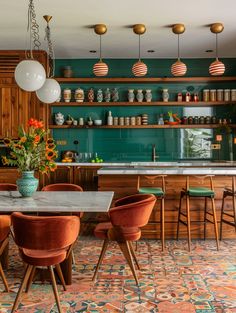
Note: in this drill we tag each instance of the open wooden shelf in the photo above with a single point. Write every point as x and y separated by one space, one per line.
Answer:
142 126
154 103
144 79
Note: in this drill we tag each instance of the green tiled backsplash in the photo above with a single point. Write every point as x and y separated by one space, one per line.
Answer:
136 144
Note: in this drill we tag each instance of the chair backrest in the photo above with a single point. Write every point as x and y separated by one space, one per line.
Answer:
151 181
62 187
202 180
132 211
5 223
45 233
7 187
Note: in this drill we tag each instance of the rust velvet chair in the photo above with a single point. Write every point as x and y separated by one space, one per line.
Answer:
44 241
5 223
7 187
126 218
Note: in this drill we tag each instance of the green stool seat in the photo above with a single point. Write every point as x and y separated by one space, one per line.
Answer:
154 190
200 192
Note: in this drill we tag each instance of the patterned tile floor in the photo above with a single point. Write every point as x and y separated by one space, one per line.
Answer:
203 281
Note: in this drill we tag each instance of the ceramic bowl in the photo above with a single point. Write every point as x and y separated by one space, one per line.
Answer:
98 122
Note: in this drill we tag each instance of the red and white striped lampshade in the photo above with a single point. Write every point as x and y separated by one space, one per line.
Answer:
178 68
217 68
139 69
100 69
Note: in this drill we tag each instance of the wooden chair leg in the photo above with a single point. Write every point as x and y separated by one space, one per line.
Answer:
215 222
104 248
73 257
60 275
134 255
205 215
54 286
4 278
180 207
30 280
24 281
221 216
136 245
234 211
188 223
124 246
162 224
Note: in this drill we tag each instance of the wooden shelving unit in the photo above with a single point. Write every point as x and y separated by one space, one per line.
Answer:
154 103
147 80
141 126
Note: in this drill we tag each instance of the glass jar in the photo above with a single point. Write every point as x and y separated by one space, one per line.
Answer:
226 94
213 95
201 120
115 121
195 120
213 119
127 120
190 120
184 120
233 94
67 71
207 120
138 120
67 95
133 120
220 95
121 121
206 94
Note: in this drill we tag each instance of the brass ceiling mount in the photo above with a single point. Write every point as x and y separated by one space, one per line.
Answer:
139 29
47 18
178 29
217 28
100 29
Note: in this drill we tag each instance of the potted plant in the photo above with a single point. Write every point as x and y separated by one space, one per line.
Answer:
33 151
69 120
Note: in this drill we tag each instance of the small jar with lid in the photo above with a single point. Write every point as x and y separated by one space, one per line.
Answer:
213 95
220 95
207 120
67 71
133 121
213 120
201 120
190 120
121 121
196 120
138 120
233 94
226 94
206 95
127 120
184 120
115 121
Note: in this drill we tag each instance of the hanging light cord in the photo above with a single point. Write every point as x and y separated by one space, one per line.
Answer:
139 43
178 48
100 48
51 56
216 47
33 28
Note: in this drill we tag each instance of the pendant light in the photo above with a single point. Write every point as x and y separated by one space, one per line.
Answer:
30 74
217 68
51 90
139 68
100 68
178 68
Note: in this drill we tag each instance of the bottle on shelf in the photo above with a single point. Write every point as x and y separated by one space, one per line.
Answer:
109 119
161 120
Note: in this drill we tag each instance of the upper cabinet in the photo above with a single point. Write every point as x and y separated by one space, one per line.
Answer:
16 105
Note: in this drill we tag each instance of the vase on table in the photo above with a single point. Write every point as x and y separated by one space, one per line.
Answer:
27 184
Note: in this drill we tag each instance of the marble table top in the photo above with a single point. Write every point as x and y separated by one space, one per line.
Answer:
57 201
168 171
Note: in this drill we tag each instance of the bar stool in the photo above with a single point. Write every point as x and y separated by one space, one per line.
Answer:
159 193
195 192
228 193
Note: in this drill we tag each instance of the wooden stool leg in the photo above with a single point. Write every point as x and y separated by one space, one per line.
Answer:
234 211
104 248
30 280
60 275
55 291
215 222
4 278
134 255
162 224
205 214
221 215
188 223
180 207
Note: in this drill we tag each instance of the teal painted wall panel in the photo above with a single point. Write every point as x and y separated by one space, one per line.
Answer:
136 144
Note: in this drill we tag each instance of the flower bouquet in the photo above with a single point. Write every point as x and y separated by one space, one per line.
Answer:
34 151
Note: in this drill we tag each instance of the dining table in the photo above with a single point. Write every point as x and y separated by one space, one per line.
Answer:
62 202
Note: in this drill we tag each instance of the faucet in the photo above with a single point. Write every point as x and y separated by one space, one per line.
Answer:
154 156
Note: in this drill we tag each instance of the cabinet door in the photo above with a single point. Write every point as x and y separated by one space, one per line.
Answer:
63 174
86 177
9 175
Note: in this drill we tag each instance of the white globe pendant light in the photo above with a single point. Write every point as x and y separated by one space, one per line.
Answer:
139 68
30 74
178 68
217 68
51 90
100 68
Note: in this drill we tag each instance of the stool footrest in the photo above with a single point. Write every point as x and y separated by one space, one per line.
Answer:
228 214
228 222
206 219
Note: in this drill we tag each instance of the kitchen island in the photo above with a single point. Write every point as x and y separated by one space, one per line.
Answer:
123 181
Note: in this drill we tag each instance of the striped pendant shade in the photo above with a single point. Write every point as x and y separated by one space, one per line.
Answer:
139 69
178 68
100 69
217 68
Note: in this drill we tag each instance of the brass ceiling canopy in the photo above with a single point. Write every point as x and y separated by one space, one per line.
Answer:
217 28
47 18
178 29
139 29
100 29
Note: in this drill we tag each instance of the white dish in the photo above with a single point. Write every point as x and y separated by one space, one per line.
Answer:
98 122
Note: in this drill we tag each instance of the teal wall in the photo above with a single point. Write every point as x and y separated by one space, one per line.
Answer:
136 144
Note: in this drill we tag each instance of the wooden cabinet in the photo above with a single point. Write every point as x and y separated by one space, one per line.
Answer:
16 105
86 177
9 175
63 174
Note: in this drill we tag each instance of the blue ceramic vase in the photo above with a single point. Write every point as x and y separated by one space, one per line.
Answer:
27 184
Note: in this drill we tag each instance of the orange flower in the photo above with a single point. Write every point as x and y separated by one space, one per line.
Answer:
40 124
50 154
50 141
17 146
7 141
36 139
23 139
4 160
50 146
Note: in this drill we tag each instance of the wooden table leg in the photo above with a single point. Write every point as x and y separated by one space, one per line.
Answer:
4 257
66 268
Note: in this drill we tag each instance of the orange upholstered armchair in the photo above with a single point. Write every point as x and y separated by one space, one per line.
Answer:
44 241
5 223
126 218
7 187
